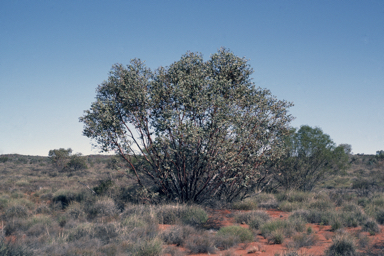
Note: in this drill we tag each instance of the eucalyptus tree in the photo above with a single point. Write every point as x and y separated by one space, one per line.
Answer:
310 157
199 129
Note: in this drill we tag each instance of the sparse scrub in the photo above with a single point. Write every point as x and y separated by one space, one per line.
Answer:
289 227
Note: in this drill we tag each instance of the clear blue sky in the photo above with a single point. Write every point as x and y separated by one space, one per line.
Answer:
325 56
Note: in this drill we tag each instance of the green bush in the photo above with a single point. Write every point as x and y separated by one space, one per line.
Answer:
289 226
371 226
13 249
380 216
287 206
342 245
194 216
253 218
3 159
245 235
16 211
102 208
276 237
303 240
321 205
200 244
294 196
246 204
177 234
247 217
145 247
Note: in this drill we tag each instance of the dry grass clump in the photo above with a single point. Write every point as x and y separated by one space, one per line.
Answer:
176 214
247 204
200 243
178 234
342 245
276 230
253 218
303 240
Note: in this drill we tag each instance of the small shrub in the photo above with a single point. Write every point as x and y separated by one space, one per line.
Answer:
266 201
246 204
15 226
145 247
200 244
247 217
294 196
289 227
371 226
64 197
75 211
105 232
364 241
169 214
177 235
380 216
102 208
13 249
342 245
321 205
194 216
304 240
226 241
245 235
3 159
16 211
276 236
286 206
336 224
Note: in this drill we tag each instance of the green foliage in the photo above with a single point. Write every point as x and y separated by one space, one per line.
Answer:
311 156
13 249
245 235
342 245
194 216
59 157
103 186
247 204
203 129
77 163
3 159
253 218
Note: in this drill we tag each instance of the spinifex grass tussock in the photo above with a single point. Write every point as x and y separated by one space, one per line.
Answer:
343 245
247 204
253 218
178 234
16 211
245 235
13 249
303 240
295 196
371 226
102 208
288 227
189 215
201 243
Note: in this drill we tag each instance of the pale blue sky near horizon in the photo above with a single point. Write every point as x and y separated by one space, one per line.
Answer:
327 57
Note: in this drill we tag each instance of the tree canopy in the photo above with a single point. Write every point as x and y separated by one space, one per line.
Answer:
198 129
311 156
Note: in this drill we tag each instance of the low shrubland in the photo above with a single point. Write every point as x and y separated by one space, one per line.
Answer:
97 211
